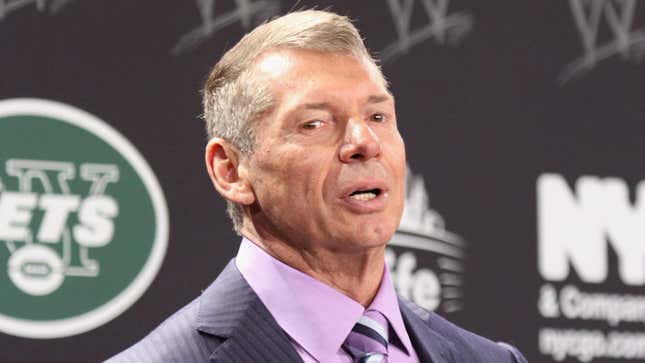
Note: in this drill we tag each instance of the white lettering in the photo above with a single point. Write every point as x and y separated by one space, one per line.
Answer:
548 302
588 345
426 288
404 267
569 231
625 228
15 215
612 308
57 208
422 287
576 231
96 214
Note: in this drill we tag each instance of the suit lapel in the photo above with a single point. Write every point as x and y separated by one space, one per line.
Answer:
230 309
430 346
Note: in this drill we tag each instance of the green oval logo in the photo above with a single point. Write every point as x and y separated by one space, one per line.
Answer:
83 220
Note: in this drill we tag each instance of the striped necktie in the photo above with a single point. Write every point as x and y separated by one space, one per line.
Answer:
367 342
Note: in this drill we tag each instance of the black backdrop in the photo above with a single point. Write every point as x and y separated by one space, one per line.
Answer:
485 107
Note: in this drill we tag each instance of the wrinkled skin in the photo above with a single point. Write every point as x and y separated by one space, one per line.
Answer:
333 131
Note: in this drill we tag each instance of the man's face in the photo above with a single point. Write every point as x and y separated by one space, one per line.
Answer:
328 169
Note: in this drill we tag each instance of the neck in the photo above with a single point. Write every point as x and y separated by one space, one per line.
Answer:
356 274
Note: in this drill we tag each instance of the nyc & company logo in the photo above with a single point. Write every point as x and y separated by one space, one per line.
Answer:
627 43
590 307
83 221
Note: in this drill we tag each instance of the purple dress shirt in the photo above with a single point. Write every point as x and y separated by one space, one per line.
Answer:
316 317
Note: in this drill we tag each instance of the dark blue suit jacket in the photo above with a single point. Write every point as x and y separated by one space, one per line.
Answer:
229 324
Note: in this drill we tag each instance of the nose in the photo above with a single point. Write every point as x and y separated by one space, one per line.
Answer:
360 143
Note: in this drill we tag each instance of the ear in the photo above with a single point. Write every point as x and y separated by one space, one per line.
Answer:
228 176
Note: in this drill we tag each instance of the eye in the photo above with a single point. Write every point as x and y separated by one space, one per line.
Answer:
377 117
312 125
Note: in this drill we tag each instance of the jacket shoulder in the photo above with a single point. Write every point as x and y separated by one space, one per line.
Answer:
467 346
174 340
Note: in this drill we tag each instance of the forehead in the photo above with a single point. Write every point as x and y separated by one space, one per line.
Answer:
308 71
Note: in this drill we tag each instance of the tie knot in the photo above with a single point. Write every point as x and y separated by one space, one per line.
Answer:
367 342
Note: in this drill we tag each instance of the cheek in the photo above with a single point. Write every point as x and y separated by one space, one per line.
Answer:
287 178
392 141
397 161
266 175
310 180
395 153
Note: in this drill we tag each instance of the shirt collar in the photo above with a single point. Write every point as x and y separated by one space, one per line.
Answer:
313 314
387 302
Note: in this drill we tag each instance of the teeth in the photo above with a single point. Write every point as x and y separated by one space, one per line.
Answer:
363 196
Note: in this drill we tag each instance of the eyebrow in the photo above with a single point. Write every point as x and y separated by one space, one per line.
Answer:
327 105
378 99
317 106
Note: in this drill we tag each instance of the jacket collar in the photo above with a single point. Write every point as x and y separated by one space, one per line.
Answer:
230 309
428 343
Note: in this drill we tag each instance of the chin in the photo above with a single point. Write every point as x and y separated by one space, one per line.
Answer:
361 233
375 236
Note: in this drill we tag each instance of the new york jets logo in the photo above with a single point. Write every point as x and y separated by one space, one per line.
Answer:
83 221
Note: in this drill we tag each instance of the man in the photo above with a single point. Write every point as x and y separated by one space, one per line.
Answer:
305 148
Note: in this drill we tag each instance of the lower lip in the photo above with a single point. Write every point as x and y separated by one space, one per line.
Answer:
373 205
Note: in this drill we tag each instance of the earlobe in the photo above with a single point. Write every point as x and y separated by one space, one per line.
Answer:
227 173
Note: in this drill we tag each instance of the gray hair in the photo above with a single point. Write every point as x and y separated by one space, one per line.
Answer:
232 99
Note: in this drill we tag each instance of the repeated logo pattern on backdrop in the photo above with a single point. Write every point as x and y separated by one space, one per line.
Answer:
247 12
83 221
440 25
51 7
628 42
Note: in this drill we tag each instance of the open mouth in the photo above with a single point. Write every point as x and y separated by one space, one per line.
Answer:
365 195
